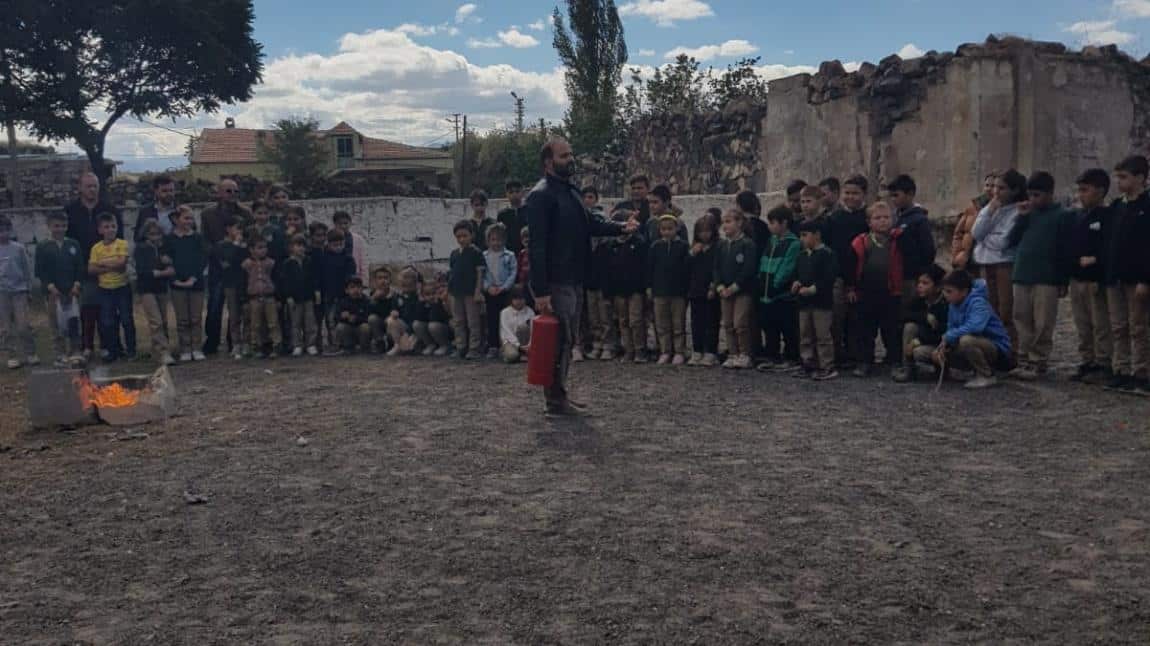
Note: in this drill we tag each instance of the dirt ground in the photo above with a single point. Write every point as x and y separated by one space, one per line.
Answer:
430 502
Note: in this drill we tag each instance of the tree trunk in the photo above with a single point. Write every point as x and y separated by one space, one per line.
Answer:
94 148
14 184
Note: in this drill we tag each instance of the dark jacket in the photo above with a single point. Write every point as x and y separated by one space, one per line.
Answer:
819 268
189 256
1127 236
777 267
298 279
82 224
1041 240
600 258
1087 241
214 220
930 316
861 247
917 242
229 257
357 307
626 267
700 272
561 230
436 312
760 233
846 225
150 212
479 231
332 273
60 264
736 263
462 277
149 260
514 219
410 307
382 306
667 268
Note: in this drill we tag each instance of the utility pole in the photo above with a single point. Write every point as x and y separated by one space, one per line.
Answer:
454 119
519 112
14 168
463 161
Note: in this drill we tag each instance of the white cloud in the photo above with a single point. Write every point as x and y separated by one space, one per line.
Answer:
645 52
707 52
512 37
771 72
1132 8
910 50
1099 32
416 29
538 25
852 66
466 12
666 12
515 38
789 52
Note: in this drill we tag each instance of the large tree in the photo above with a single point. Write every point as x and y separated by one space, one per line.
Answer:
296 151
594 54
71 69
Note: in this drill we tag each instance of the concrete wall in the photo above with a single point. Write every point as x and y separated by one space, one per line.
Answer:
398 231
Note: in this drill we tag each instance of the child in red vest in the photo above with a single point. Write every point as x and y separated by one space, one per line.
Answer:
877 288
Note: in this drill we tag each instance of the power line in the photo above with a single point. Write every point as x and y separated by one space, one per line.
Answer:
171 130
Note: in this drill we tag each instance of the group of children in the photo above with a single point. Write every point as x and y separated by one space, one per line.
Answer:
807 288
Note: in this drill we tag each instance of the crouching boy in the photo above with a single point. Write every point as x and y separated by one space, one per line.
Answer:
975 338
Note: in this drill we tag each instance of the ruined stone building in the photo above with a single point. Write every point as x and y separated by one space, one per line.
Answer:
946 119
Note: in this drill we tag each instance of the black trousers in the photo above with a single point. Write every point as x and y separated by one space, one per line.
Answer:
495 306
705 315
877 313
780 320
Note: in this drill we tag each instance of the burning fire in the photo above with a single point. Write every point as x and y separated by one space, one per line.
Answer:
110 396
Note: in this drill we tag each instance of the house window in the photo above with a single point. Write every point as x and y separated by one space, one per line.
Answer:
344 152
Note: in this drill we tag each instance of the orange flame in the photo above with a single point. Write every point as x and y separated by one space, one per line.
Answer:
110 396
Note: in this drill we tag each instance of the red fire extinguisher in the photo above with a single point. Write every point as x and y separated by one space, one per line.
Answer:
544 347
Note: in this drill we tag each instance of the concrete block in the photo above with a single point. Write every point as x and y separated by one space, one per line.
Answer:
55 399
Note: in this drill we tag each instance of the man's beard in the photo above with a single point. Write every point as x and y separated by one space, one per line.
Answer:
563 170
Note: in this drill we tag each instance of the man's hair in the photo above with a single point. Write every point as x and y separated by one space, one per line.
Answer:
316 227
298 239
781 213
353 281
958 279
340 215
1041 181
589 190
513 186
335 235
161 180
1135 165
662 192
547 152
812 191
831 184
55 216
810 226
934 273
462 224
748 202
1095 177
297 209
516 292
104 218
859 181
639 179
381 271
902 184
498 229
478 195
795 186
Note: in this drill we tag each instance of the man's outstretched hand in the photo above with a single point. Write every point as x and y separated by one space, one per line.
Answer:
631 225
543 304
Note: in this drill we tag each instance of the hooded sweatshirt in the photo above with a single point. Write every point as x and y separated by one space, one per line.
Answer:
861 248
777 267
975 316
991 234
917 242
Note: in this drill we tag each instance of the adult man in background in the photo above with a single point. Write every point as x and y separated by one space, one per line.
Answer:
83 219
162 207
214 222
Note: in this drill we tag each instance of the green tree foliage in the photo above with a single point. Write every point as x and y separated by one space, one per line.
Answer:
71 69
678 87
296 151
501 155
739 81
682 87
594 53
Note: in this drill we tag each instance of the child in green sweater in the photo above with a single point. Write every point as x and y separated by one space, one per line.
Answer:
1041 236
778 315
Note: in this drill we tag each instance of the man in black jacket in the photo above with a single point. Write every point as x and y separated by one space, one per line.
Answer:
83 217
161 210
560 252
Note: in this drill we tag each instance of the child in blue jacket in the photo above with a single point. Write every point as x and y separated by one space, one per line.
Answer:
975 337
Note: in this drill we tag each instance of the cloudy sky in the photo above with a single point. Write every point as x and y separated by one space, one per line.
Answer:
398 69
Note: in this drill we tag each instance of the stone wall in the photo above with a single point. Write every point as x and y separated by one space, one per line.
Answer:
946 119
398 231
45 179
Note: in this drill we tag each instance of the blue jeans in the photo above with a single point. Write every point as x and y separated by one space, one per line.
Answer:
115 313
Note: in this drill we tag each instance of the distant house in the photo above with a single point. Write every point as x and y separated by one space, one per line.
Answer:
229 150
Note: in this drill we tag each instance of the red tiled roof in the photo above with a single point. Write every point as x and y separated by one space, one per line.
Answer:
242 145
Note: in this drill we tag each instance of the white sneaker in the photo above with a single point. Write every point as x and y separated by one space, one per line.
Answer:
709 361
185 357
608 355
978 383
312 351
729 363
167 359
696 359
297 352
394 351
442 351
678 360
13 364
33 360
664 359
577 355
745 362
198 356
428 351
